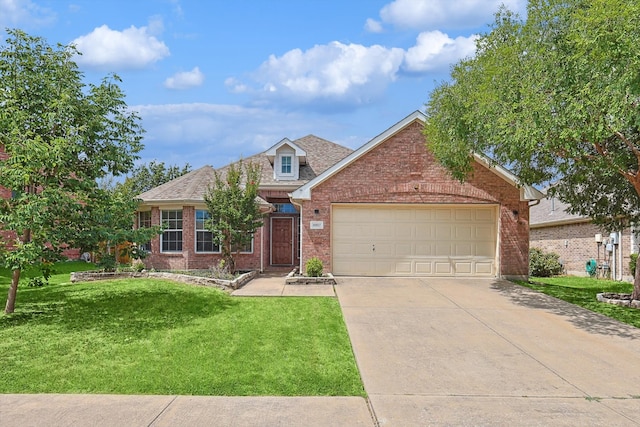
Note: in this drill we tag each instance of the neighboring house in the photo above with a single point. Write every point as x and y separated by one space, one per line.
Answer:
386 209
573 238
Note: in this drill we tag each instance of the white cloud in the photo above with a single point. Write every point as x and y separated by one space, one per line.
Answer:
435 50
373 26
337 73
185 79
132 48
15 13
431 14
217 134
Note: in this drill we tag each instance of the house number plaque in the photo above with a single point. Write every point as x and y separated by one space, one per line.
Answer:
316 225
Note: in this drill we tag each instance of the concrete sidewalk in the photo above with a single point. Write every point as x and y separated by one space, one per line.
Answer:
275 286
488 353
189 411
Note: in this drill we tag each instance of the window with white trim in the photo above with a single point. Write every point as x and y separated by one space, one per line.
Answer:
286 165
171 238
204 237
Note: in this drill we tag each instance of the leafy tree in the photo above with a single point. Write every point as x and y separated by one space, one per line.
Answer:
60 136
233 208
555 96
108 225
147 176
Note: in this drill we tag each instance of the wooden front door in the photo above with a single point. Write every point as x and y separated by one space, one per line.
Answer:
282 241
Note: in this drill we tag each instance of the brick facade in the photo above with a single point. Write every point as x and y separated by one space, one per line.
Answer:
575 243
189 259
401 170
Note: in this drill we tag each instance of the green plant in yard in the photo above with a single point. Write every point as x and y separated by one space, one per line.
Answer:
314 267
553 93
137 265
633 260
60 136
233 209
148 336
543 264
108 262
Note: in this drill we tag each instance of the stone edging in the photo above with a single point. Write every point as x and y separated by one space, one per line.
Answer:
618 299
293 279
227 285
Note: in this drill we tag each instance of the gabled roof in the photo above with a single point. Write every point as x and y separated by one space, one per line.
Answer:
187 188
191 187
304 192
298 152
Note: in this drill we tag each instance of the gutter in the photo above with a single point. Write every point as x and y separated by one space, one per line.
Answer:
301 230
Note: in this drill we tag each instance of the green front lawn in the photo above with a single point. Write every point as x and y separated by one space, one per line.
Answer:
145 336
582 291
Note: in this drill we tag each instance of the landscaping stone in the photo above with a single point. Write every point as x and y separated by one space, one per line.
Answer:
226 285
623 300
296 279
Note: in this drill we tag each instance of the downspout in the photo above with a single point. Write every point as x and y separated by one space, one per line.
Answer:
262 249
300 236
620 245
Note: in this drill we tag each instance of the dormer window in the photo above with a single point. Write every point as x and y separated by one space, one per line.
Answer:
286 159
285 165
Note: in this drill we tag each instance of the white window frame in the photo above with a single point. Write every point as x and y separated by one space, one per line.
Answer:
201 230
167 230
289 156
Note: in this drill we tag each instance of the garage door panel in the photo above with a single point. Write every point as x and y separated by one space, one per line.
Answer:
403 267
443 232
422 267
442 249
485 215
387 240
483 268
404 249
463 267
443 267
463 249
485 249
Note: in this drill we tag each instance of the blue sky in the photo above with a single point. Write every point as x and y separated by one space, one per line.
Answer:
218 80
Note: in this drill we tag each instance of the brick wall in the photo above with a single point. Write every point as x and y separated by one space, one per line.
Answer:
575 243
189 259
401 170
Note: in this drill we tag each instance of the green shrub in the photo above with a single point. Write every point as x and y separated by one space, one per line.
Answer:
543 264
137 265
108 263
314 267
632 263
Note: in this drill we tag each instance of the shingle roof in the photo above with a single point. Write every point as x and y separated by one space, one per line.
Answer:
321 155
551 211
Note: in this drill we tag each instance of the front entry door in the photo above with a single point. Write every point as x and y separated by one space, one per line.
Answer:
282 241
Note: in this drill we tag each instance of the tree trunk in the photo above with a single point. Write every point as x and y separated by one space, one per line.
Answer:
13 291
636 282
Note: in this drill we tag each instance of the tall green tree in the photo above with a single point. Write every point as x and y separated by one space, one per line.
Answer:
60 136
556 97
150 175
234 211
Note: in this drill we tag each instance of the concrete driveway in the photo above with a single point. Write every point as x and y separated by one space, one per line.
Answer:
486 352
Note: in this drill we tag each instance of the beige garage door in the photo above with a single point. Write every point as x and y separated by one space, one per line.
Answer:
425 240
